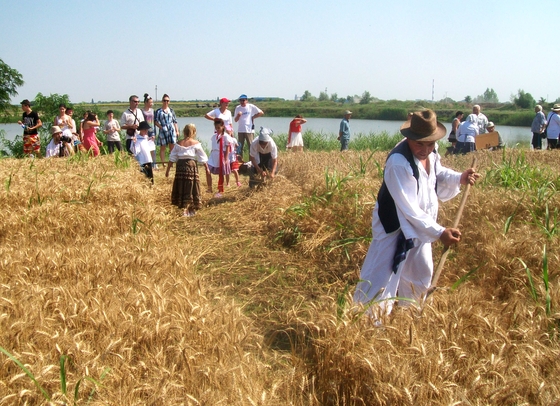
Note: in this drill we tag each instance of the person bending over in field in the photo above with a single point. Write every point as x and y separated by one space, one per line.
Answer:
264 158
399 259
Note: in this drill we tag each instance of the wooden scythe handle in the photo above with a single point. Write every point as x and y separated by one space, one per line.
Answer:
439 268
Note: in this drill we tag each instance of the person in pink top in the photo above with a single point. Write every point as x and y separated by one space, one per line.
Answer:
91 142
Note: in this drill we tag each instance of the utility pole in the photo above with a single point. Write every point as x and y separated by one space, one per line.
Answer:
156 93
433 83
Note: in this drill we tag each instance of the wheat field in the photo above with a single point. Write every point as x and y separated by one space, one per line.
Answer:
249 302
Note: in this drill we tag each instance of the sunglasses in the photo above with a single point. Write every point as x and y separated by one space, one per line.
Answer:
166 101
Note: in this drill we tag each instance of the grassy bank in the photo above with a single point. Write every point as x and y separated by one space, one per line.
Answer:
249 302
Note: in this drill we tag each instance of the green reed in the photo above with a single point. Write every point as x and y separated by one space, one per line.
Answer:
320 141
545 279
63 378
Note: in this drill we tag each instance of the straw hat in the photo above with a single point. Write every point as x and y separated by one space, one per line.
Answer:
556 107
423 126
55 129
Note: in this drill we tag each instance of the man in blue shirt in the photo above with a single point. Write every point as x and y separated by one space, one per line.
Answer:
344 133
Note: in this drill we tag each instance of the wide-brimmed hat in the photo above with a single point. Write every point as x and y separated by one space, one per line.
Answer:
55 129
144 126
556 107
423 126
490 124
347 112
224 100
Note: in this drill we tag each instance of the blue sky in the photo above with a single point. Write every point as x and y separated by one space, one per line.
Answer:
203 50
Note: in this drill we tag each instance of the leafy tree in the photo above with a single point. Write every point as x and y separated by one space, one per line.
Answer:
334 97
542 101
366 98
489 96
468 99
349 99
323 96
307 96
10 80
47 106
524 100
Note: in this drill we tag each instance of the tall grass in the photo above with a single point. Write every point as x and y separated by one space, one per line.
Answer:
319 141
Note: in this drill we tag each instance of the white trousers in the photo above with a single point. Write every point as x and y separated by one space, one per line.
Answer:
379 284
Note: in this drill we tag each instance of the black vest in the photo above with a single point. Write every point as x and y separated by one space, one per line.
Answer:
387 209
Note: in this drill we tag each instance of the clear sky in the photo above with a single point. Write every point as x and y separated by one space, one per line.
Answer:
108 50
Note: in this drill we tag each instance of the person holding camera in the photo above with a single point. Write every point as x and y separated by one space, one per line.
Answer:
60 145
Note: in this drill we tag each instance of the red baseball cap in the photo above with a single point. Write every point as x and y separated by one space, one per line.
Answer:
224 100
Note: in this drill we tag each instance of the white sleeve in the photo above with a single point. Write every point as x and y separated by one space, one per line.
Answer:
402 185
273 150
448 182
200 154
174 155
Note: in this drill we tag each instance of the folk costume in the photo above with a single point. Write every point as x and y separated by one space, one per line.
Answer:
399 260
186 185
219 157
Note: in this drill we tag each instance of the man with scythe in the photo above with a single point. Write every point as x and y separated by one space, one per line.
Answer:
399 260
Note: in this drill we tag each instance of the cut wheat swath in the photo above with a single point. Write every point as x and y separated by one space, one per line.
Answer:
441 263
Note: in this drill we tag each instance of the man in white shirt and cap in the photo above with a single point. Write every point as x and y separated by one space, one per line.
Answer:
399 260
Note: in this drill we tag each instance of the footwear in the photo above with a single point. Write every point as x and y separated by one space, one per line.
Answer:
238 184
208 190
218 195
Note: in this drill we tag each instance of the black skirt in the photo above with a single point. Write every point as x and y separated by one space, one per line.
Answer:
186 185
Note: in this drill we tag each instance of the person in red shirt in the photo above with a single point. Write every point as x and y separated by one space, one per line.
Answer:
295 140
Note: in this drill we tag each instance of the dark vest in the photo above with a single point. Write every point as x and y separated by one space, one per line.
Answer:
387 209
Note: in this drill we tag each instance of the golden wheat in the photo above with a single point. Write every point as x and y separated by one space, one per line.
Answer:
249 302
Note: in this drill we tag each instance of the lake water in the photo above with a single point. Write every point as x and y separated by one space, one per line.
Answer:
280 125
